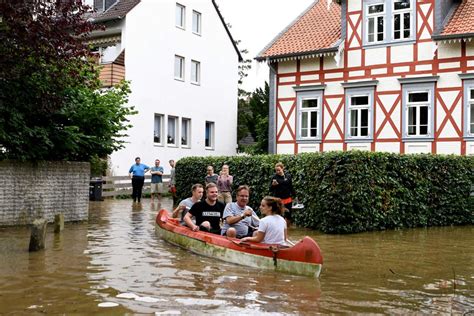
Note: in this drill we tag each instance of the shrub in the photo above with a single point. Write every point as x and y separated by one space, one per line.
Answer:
348 192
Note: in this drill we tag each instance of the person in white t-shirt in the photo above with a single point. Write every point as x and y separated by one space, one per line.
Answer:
272 229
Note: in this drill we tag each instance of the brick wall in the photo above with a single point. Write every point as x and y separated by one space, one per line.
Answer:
29 191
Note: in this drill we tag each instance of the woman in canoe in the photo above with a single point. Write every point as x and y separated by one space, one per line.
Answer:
272 228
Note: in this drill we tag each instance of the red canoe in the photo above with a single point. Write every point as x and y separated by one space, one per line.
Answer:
303 258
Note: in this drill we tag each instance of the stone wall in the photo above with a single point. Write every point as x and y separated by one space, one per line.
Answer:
29 191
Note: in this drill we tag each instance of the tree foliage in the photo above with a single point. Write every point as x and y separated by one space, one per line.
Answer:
253 119
51 103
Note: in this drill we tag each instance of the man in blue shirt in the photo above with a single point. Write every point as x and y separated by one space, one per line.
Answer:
156 180
137 173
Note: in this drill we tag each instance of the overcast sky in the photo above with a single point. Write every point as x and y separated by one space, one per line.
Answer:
256 23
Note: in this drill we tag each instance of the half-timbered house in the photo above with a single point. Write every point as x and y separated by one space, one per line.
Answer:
394 76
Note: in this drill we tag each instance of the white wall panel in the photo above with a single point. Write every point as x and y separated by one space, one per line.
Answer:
401 53
448 148
375 56
285 149
388 147
417 148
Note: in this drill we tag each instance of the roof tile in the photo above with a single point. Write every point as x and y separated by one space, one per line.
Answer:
319 28
462 20
117 11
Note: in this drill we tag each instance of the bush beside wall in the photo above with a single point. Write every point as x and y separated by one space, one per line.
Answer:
349 192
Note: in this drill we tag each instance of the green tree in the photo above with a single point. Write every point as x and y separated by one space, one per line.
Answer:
51 103
255 119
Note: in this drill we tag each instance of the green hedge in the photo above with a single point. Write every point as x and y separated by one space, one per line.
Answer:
348 192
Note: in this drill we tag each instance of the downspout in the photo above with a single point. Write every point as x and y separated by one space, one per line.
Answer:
272 109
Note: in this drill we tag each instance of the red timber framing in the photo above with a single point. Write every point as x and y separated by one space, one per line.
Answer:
384 114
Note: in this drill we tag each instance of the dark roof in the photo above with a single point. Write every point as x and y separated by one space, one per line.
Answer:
316 30
461 22
117 11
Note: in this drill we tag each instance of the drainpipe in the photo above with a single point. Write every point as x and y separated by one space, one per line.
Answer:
272 109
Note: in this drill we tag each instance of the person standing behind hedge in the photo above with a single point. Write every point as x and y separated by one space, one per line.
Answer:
224 185
281 187
211 177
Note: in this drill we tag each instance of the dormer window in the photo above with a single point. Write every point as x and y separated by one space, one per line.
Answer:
103 5
388 21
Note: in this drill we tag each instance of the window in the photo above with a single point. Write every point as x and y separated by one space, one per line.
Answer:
185 132
158 129
418 106
195 72
309 115
375 23
172 130
469 108
388 21
359 109
180 16
196 22
179 67
418 110
359 116
209 135
401 18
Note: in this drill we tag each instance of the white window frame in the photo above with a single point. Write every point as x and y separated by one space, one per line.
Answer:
402 13
359 92
408 89
389 22
417 106
197 21
160 118
185 132
376 17
181 9
304 96
195 72
212 126
180 74
468 105
170 141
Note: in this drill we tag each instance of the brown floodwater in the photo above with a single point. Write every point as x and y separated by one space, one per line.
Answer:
116 260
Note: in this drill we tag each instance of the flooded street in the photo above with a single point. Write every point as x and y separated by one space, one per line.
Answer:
116 260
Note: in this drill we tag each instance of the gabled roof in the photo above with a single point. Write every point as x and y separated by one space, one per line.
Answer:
117 11
316 30
120 9
461 22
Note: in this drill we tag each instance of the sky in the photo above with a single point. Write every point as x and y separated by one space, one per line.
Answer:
255 23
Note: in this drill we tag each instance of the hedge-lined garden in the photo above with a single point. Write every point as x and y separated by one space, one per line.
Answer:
349 192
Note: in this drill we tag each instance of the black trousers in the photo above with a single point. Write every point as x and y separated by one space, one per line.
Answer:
137 185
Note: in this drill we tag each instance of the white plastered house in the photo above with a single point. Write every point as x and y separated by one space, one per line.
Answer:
183 67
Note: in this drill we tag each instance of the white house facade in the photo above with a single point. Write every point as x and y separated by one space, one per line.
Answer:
393 76
183 67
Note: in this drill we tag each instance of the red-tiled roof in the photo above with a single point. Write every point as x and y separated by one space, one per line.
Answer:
462 20
117 11
317 29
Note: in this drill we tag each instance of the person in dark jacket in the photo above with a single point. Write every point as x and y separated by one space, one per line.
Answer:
281 187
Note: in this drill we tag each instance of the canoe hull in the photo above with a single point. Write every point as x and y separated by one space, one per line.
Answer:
228 250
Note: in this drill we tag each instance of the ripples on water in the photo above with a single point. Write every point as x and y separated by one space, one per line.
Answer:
114 264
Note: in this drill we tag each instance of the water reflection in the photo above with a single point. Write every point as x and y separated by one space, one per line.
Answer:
116 259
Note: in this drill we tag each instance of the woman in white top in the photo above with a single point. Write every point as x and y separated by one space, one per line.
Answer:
272 228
